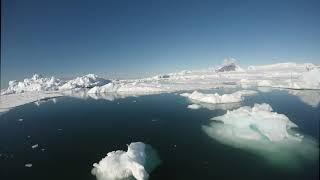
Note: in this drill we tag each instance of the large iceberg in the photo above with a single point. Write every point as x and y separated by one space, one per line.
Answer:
267 133
219 99
258 122
36 83
139 160
87 81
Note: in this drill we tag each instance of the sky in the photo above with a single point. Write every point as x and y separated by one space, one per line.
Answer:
133 38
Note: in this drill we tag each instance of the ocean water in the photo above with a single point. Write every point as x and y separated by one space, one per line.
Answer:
74 133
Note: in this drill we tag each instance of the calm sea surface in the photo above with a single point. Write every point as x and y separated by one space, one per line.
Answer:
74 133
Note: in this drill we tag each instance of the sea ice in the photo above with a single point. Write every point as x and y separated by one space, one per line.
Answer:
282 75
139 160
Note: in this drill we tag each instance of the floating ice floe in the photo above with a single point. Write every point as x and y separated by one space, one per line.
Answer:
138 161
194 106
219 99
262 131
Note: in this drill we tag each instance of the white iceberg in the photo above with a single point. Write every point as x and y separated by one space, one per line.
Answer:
36 83
267 133
219 99
139 160
87 81
258 122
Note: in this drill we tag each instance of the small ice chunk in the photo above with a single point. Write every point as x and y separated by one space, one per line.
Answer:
194 106
20 120
34 146
29 165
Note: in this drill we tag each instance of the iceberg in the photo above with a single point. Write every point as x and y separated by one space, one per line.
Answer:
87 81
260 130
36 83
258 122
138 161
219 99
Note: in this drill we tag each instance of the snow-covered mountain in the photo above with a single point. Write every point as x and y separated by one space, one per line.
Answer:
229 64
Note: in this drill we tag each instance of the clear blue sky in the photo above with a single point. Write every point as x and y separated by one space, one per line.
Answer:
65 38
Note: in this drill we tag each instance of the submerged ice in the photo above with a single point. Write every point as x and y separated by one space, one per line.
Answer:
139 160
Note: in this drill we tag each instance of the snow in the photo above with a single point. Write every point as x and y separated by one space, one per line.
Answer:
87 81
124 164
218 99
194 106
